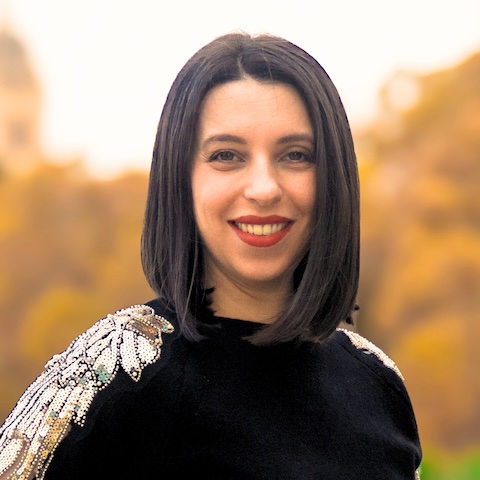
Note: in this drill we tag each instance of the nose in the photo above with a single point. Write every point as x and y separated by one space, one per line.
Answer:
263 185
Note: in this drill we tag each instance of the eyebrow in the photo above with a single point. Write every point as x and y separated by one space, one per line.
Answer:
223 138
295 137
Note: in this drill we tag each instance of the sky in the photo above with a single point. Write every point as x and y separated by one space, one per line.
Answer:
105 66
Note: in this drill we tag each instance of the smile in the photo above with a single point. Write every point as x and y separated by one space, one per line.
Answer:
261 230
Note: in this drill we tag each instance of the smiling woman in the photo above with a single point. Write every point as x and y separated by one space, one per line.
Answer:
241 367
253 185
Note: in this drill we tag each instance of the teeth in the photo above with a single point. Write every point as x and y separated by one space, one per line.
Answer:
261 230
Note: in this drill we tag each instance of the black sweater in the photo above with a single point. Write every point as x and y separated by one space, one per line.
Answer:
220 408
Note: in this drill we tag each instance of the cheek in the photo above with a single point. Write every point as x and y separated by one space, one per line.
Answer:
211 192
198 191
306 203
205 206
305 193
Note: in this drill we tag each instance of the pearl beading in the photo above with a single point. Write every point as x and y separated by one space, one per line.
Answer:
62 394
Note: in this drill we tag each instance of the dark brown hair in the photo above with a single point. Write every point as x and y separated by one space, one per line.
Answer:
326 280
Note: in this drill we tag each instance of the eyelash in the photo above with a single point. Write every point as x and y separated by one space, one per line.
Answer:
217 156
306 157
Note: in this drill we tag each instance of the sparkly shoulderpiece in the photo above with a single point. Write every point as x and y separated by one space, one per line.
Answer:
371 349
129 339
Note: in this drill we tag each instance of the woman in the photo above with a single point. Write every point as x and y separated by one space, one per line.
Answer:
239 369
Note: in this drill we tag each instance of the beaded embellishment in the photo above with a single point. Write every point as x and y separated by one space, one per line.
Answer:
62 394
370 348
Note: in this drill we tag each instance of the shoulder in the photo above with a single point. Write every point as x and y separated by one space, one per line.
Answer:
361 346
127 340
368 366
378 381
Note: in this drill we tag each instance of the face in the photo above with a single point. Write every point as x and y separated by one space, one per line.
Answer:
253 183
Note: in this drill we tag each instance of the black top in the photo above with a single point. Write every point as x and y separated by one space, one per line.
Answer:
220 408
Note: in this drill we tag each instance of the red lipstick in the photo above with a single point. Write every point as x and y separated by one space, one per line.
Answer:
267 240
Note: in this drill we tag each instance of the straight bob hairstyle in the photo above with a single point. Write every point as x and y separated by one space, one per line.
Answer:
326 279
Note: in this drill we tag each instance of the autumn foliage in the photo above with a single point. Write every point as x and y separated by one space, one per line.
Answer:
420 290
69 252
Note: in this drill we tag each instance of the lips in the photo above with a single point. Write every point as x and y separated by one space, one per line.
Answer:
261 231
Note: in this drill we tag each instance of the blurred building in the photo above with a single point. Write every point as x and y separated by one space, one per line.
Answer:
20 99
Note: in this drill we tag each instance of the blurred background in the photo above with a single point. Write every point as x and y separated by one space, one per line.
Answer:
81 88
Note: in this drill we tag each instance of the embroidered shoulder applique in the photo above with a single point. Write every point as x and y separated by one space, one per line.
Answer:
131 339
370 348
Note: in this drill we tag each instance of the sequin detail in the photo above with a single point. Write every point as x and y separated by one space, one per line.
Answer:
370 348
62 394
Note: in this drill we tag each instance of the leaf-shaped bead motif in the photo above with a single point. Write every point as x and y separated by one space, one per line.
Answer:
129 339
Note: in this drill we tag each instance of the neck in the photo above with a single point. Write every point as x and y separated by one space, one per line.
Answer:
255 304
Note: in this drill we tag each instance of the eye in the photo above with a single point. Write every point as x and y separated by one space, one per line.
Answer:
223 156
298 156
225 160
